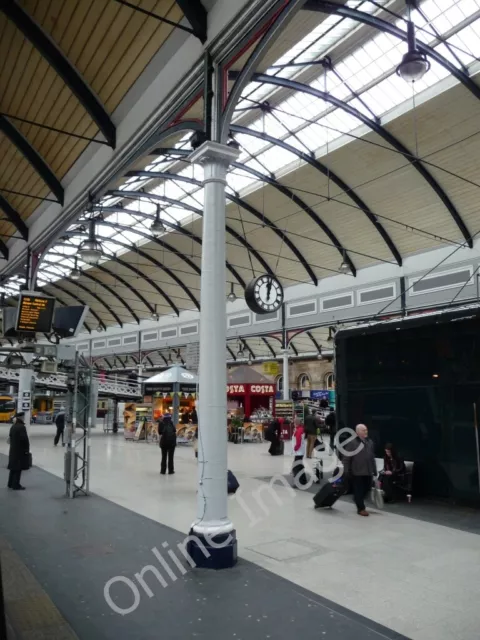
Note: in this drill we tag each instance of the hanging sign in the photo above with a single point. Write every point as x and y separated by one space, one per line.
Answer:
271 368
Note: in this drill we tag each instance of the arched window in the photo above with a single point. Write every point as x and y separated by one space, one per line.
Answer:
303 382
279 382
330 380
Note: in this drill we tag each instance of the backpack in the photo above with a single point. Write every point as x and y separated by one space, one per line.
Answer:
169 436
232 483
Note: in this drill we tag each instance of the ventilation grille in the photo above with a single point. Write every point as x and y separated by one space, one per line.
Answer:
149 337
266 317
302 309
130 340
99 344
82 347
376 295
239 321
115 342
189 330
339 302
169 333
442 281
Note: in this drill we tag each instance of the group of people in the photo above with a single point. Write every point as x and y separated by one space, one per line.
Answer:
357 456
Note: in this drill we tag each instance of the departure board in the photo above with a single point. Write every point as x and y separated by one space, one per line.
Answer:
35 312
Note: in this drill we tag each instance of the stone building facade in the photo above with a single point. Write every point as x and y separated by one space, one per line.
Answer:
303 374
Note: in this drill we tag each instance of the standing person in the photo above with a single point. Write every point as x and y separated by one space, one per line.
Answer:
298 470
310 432
331 424
168 442
359 464
18 458
274 430
60 424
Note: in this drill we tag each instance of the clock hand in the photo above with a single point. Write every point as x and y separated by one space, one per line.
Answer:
269 289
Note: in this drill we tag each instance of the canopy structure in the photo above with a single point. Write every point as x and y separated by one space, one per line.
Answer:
343 166
173 375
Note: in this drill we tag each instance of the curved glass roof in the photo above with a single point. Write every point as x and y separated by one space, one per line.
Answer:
351 65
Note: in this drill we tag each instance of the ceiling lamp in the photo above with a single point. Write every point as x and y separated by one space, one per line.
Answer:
179 357
331 334
90 250
232 296
250 362
157 227
155 315
414 64
75 273
345 267
100 328
240 352
169 359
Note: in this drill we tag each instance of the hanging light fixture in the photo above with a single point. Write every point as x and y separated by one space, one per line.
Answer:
169 359
250 362
240 352
90 251
414 64
179 357
75 273
232 296
157 226
331 333
100 328
155 315
345 267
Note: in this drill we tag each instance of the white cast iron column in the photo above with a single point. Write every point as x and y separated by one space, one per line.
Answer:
212 518
24 399
286 375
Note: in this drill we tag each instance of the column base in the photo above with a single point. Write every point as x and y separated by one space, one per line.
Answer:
213 552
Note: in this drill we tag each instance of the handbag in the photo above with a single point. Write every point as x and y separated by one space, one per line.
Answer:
377 494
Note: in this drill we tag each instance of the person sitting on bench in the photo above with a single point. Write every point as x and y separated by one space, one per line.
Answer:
393 474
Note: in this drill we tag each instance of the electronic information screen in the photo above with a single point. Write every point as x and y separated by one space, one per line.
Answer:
35 312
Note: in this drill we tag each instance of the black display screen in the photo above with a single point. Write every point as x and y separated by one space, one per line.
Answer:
35 313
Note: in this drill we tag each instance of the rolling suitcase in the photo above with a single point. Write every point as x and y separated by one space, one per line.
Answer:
327 495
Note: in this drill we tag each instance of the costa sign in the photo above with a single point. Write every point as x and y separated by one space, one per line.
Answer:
235 388
254 389
262 389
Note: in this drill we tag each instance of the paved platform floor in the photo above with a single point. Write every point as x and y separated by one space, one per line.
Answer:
414 577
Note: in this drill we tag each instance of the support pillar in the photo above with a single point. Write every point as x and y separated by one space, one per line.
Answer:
286 375
25 399
212 537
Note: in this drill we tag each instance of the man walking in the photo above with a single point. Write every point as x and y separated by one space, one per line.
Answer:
18 458
359 464
60 424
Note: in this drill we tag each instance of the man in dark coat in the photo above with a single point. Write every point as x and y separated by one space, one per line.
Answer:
168 442
18 459
360 465
60 424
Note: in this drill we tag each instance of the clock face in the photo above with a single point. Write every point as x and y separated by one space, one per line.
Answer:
264 294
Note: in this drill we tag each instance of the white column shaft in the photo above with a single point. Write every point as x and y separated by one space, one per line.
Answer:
25 386
286 385
212 517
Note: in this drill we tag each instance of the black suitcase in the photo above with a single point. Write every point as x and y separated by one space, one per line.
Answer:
300 478
327 495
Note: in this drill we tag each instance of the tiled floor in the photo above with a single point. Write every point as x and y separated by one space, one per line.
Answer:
418 578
